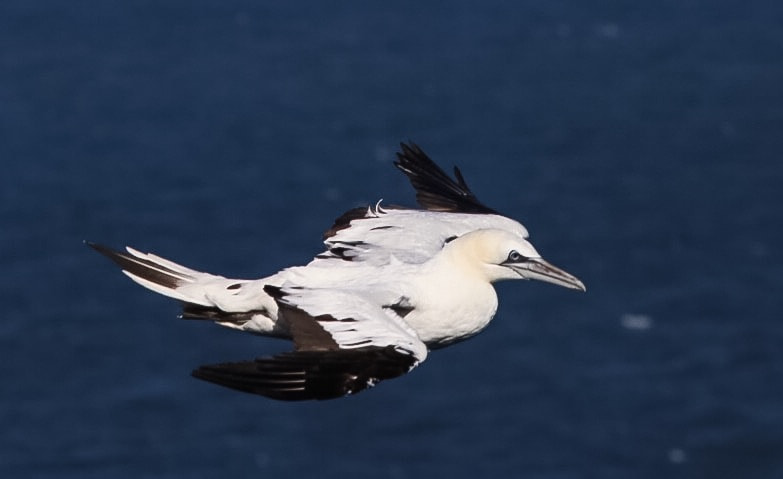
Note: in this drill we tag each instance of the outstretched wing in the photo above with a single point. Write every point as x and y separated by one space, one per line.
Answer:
344 344
435 191
375 235
409 236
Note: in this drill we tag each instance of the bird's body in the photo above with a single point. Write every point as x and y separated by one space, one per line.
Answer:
391 284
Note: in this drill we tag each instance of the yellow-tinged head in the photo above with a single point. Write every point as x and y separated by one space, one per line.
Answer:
497 254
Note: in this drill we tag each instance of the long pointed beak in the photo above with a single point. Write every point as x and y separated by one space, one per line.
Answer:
538 268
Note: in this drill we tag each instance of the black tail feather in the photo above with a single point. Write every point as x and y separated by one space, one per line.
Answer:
143 268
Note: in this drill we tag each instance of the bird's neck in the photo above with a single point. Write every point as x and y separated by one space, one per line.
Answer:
455 302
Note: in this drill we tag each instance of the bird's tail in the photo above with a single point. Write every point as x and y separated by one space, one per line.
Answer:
235 303
157 274
205 295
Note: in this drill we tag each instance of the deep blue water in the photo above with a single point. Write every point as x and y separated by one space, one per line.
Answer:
640 143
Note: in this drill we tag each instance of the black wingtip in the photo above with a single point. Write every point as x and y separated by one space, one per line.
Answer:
282 382
303 375
435 190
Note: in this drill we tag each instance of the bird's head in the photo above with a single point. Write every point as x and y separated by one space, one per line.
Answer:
498 254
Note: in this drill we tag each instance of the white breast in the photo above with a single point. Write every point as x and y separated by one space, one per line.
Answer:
450 307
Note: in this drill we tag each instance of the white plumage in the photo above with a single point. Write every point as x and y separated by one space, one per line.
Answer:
391 283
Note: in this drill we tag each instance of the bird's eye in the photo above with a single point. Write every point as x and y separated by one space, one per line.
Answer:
514 256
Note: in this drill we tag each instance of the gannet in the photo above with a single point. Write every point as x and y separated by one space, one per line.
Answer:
392 284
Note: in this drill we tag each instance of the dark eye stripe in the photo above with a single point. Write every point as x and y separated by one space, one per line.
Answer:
515 257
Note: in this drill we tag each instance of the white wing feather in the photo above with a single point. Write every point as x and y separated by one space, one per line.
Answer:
355 321
409 236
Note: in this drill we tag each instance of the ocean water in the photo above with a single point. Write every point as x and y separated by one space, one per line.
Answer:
639 143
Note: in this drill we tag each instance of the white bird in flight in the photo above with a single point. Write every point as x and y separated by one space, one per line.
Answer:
392 284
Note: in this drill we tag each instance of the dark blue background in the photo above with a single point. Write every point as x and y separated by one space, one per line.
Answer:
640 143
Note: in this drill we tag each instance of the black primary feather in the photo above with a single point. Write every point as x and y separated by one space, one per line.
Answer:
303 375
435 190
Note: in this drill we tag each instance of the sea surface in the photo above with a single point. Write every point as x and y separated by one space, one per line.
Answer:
641 143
